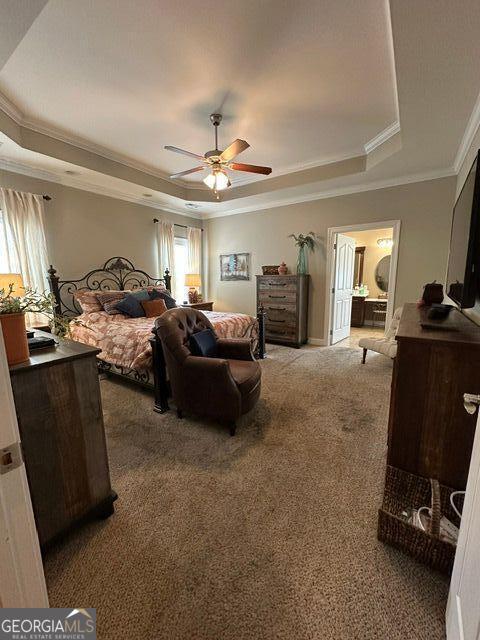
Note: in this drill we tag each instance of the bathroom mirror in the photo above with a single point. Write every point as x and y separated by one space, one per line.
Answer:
358 268
382 272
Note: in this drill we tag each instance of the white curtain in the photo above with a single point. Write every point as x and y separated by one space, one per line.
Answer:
166 249
23 216
205 265
194 240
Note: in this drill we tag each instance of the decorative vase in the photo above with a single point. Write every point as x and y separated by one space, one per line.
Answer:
302 260
15 337
282 269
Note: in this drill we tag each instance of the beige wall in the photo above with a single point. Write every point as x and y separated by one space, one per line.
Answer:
85 229
373 253
424 209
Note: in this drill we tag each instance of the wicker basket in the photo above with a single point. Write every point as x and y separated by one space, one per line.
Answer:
407 491
270 270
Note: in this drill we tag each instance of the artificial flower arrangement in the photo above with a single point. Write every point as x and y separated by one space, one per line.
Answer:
304 242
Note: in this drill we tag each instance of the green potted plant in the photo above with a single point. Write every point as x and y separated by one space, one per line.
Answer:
12 319
303 242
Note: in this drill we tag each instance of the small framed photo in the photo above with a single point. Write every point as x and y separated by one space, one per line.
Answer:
235 266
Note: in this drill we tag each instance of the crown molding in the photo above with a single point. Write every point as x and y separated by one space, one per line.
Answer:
339 191
11 109
69 181
468 136
76 141
382 137
98 150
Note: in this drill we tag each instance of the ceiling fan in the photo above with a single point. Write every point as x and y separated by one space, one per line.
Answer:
218 161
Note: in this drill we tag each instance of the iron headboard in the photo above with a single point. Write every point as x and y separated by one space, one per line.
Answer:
117 273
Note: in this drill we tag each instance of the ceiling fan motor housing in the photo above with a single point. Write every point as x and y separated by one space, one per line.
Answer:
215 119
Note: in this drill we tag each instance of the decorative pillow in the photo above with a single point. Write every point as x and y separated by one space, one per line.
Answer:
87 300
131 304
154 308
163 294
109 299
203 343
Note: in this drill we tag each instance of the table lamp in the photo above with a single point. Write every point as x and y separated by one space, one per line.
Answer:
6 279
193 280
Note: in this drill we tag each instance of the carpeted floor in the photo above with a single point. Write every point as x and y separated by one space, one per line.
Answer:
267 535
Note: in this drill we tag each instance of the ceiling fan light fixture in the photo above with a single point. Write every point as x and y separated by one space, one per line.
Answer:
217 180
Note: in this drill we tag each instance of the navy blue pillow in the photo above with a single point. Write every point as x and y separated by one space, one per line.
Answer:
204 343
131 305
156 294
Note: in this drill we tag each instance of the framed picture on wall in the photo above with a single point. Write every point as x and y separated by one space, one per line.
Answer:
235 266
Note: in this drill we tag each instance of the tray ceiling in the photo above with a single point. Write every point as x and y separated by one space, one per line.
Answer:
303 81
334 96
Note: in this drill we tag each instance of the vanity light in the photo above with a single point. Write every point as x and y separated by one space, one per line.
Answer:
385 243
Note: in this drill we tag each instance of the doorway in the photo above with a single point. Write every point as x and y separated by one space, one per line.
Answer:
361 277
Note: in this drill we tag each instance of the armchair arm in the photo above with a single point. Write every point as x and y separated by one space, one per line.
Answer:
209 382
216 369
235 348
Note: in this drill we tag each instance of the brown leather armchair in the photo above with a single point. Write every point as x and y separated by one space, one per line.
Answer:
222 388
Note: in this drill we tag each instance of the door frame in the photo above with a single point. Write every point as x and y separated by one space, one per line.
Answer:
330 271
23 580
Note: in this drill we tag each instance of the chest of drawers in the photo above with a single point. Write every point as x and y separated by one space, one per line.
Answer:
285 301
60 417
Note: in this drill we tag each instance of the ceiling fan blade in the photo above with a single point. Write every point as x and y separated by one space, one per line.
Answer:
233 150
183 152
185 173
251 168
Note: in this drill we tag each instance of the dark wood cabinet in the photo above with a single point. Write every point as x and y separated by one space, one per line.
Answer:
285 302
430 433
59 411
358 311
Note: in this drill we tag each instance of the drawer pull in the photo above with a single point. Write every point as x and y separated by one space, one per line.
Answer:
277 284
272 320
270 296
277 308
278 333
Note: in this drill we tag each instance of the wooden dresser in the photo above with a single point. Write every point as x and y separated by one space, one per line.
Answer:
285 302
59 410
430 433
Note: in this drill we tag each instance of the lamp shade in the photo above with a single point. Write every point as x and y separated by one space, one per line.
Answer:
6 279
193 280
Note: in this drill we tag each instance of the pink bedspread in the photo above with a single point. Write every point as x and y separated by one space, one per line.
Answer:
125 341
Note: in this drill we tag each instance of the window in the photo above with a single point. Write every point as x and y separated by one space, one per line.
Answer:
181 266
8 254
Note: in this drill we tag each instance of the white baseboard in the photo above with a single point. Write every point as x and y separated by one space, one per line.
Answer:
318 342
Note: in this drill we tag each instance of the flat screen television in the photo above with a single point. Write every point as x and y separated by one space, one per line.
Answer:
464 256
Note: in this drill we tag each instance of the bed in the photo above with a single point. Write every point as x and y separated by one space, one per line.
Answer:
130 347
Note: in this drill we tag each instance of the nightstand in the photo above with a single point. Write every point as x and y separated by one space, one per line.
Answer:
203 306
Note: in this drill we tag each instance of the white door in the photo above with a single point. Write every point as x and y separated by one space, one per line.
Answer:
463 608
342 287
22 582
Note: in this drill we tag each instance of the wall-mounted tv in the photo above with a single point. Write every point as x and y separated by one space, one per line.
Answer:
464 256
